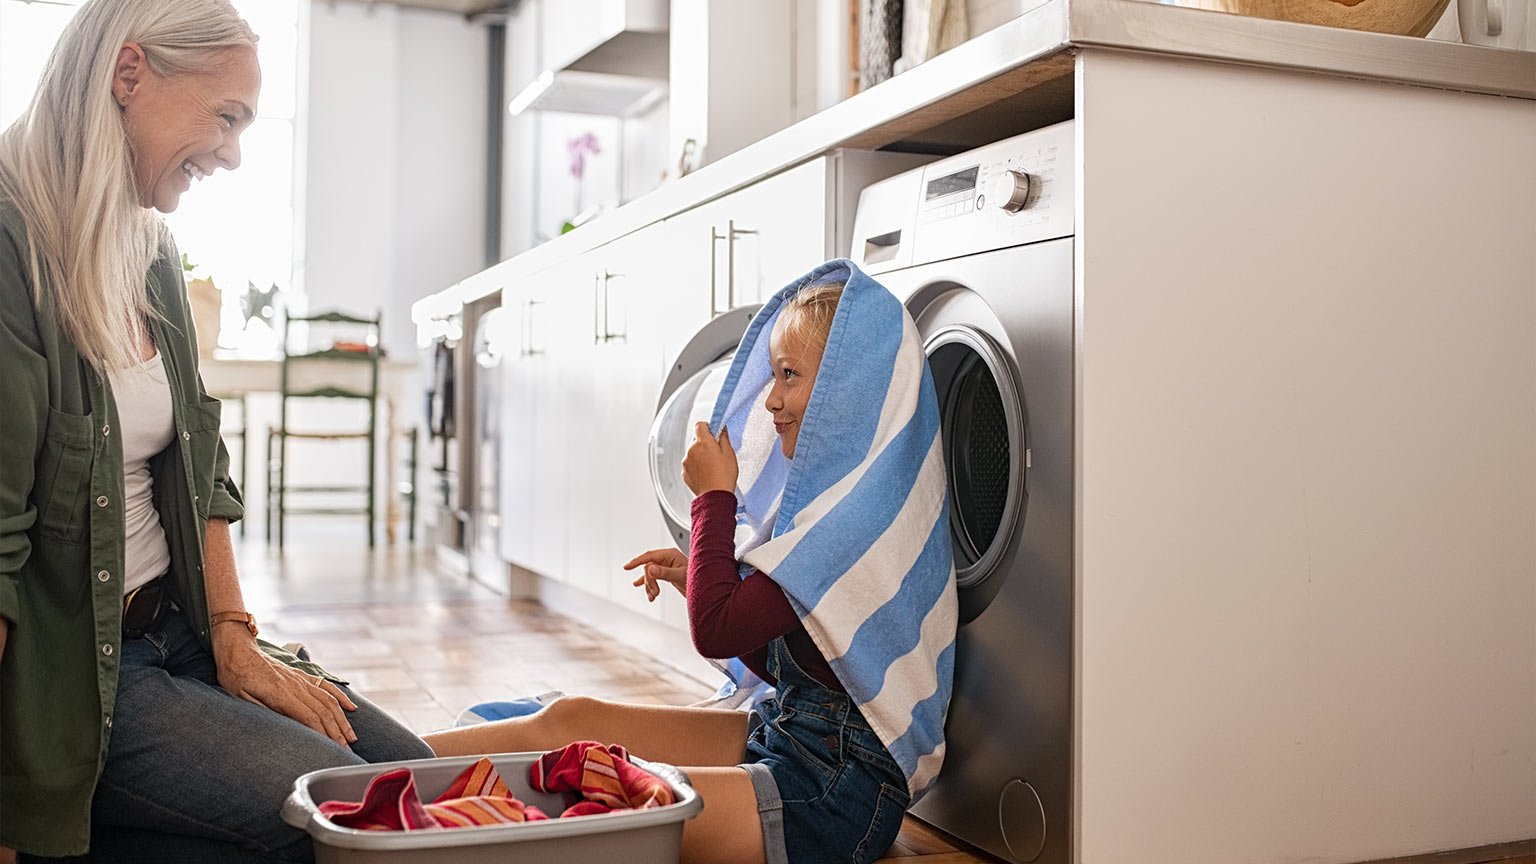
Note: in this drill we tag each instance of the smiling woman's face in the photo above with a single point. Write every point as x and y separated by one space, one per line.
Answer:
184 127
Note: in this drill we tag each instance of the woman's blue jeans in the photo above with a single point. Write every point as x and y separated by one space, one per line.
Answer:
196 774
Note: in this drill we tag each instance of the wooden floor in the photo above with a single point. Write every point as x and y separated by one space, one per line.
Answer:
424 645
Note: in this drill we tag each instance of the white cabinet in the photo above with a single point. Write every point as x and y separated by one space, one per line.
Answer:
537 451
732 75
616 362
741 248
514 505
787 230
606 35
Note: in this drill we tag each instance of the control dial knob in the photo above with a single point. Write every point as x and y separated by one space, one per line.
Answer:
1011 190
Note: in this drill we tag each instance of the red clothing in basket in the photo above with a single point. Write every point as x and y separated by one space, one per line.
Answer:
476 797
604 777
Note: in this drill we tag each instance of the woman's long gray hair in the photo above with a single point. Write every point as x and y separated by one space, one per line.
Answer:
67 166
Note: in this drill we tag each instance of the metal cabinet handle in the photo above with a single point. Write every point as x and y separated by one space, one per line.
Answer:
730 235
602 315
597 307
714 238
528 348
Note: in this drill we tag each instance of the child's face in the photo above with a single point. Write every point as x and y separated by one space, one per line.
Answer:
795 362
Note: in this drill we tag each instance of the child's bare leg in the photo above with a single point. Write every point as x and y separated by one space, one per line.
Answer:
728 830
678 736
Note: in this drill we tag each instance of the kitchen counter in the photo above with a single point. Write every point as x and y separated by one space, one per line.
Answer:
1020 76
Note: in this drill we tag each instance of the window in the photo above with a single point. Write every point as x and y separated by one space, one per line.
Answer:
237 228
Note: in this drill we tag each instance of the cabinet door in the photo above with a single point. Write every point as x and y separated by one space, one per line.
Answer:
634 360
550 323
697 267
515 504
744 247
583 432
614 365
776 231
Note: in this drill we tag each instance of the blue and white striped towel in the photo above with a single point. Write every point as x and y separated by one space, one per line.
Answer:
855 528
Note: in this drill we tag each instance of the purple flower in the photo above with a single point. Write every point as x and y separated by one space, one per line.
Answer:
579 149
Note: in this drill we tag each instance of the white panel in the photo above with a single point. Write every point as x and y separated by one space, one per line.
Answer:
1307 441
350 196
832 70
395 188
646 160
439 171
572 29
689 87
752 72
519 149
733 69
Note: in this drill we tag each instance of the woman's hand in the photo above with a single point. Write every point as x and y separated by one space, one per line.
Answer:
661 565
246 672
710 465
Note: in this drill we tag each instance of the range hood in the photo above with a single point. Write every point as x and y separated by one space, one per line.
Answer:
603 57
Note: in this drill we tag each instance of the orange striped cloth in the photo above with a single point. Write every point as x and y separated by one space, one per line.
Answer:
477 797
602 775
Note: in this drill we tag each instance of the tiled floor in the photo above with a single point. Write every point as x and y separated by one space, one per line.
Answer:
424 645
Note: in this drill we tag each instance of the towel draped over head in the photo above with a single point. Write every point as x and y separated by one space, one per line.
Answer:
855 528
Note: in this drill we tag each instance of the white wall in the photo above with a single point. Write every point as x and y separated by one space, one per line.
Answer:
519 134
396 174
392 191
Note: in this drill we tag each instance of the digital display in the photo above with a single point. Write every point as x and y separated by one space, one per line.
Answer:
960 181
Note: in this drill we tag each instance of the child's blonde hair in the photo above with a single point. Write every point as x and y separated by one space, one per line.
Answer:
808 315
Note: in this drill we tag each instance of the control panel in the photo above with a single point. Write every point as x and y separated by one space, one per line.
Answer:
1016 191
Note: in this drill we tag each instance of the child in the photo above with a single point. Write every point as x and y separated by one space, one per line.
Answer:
841 592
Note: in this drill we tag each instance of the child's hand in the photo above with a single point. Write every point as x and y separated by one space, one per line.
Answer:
710 465
661 565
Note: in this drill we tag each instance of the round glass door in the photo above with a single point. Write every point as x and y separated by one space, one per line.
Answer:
672 433
984 448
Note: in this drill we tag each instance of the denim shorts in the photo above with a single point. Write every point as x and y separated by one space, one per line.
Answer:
827 789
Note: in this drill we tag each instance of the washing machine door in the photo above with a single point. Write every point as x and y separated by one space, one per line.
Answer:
688 396
984 435
985 449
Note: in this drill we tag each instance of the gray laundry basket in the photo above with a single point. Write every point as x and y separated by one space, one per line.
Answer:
651 836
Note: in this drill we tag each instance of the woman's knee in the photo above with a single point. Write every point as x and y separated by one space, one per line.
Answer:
380 737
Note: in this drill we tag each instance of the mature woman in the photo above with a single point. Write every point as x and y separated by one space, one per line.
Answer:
139 715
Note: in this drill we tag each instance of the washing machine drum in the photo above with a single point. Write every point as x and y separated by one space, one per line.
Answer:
672 433
984 450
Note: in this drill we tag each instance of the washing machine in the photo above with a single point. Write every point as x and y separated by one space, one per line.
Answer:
979 247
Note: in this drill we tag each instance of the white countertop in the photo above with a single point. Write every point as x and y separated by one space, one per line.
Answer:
1031 54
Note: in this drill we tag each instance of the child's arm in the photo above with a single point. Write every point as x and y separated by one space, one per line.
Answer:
729 616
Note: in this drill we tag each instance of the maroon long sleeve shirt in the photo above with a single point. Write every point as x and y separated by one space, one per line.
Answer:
734 617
